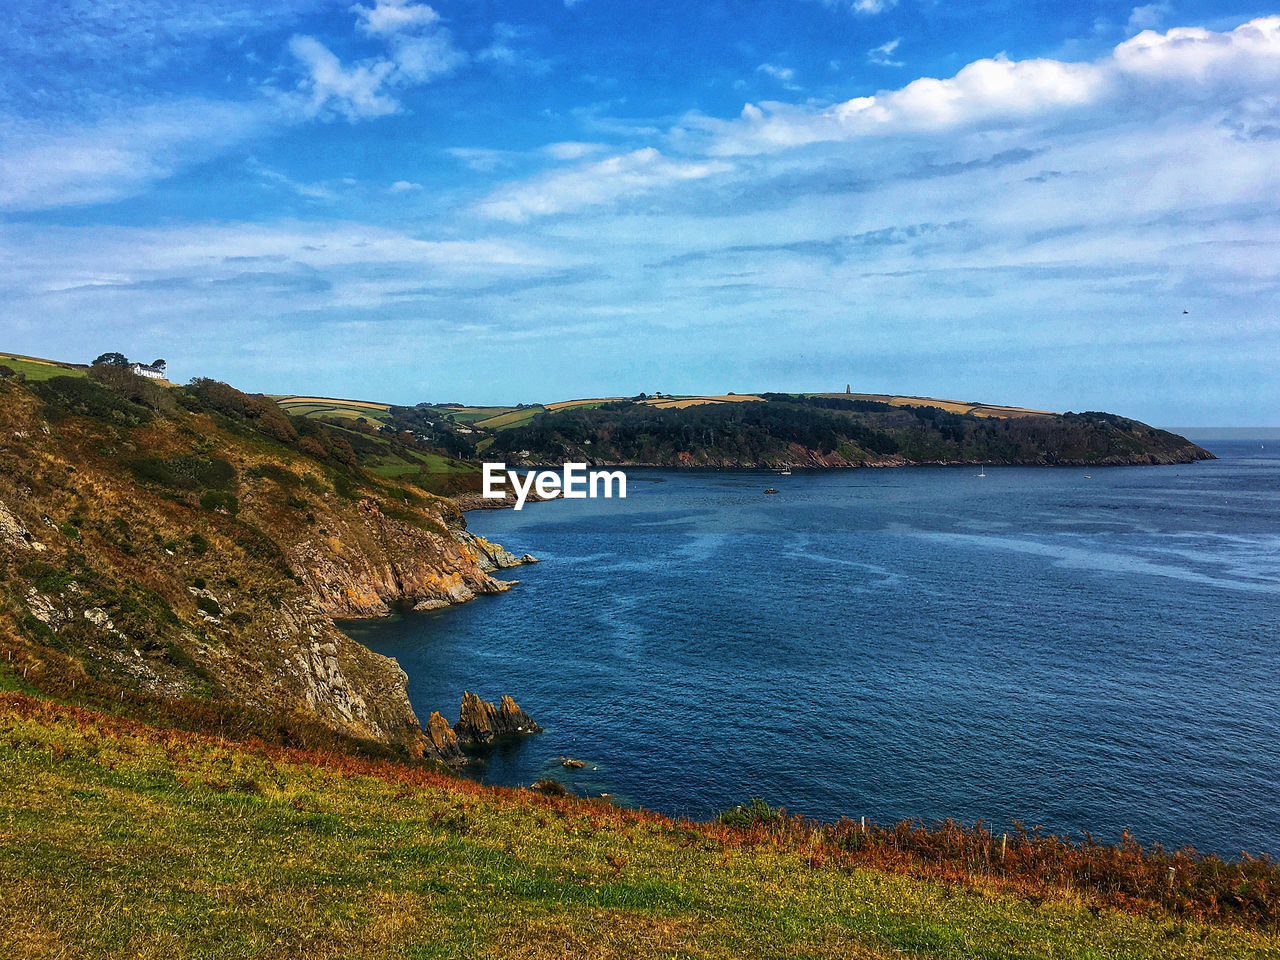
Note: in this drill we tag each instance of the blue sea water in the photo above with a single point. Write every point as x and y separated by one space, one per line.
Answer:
1078 653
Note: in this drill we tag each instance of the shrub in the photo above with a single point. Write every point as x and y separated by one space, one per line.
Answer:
199 546
80 395
752 813
184 472
209 606
551 788
220 500
273 471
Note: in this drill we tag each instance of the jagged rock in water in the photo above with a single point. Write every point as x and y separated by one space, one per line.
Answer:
489 556
443 739
480 721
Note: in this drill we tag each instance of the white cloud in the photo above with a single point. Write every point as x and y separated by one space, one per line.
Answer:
572 149
424 58
506 51
883 54
1147 17
309 191
118 155
863 7
388 17
482 159
404 186
1018 91
785 74
418 50
592 184
354 92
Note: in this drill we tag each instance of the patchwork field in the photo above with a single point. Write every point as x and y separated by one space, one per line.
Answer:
331 407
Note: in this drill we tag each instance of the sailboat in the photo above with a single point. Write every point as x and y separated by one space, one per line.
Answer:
982 472
785 471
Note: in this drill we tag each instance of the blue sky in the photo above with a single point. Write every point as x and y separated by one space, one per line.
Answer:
1065 206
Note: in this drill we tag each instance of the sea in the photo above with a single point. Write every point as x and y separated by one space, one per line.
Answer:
1078 649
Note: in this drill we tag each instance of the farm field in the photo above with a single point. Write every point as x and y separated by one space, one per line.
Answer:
331 407
951 406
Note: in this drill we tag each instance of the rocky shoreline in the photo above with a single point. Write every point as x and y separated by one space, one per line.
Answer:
480 723
814 460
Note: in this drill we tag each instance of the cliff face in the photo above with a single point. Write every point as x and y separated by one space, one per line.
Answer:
364 562
180 558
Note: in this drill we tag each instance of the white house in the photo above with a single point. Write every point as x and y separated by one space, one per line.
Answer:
146 370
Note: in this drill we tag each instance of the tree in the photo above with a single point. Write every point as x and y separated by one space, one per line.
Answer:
112 360
159 365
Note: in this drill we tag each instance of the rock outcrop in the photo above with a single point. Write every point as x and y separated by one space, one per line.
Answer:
480 722
362 563
444 742
490 556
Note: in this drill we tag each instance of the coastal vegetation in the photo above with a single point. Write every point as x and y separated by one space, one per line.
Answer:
832 430
182 551
122 839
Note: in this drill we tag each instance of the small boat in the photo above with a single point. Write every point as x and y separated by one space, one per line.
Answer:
1087 477
771 490
785 471
983 471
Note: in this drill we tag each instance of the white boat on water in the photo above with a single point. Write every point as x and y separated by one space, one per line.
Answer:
983 471
785 471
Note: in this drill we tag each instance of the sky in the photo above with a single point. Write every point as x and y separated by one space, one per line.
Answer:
1066 206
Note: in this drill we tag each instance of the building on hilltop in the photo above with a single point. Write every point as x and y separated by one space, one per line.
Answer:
153 371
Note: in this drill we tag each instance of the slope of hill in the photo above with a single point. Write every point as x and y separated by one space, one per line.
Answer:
122 840
194 544
740 430
834 431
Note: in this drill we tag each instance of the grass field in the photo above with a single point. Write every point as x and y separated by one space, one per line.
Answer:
953 406
474 414
120 840
330 407
512 418
680 403
37 369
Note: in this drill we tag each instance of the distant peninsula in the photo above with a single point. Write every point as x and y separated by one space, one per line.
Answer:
834 430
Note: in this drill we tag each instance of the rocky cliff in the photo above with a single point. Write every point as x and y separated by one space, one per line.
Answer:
480 722
183 555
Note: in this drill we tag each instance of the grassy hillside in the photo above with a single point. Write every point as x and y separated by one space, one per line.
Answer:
187 548
35 368
839 430
754 430
120 840
951 406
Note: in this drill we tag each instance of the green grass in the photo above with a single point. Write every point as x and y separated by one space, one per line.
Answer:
122 841
332 408
512 419
474 414
412 462
36 370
